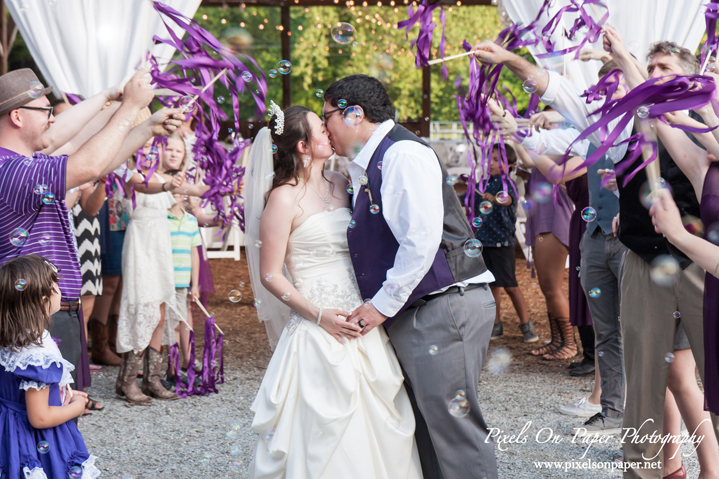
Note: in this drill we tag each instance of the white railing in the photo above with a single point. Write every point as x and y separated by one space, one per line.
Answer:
446 130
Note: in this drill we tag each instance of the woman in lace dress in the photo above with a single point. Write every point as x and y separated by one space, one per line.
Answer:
332 403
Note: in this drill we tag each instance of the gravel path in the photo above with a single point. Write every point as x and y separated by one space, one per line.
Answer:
210 437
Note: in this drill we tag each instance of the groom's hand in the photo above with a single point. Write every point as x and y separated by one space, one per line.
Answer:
367 316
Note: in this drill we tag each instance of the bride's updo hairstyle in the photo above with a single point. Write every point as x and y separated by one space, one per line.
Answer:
288 162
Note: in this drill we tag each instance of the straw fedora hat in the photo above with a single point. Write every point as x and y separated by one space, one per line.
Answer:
18 88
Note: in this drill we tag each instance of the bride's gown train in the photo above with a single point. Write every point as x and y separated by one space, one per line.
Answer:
327 410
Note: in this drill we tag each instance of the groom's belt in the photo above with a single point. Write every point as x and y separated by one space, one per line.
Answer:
451 290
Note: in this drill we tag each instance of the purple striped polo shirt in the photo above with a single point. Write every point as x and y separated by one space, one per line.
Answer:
47 225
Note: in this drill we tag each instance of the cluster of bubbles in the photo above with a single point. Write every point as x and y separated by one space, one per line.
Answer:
529 85
595 293
473 248
343 33
284 67
235 296
18 237
459 406
499 360
20 284
485 207
589 214
502 197
40 189
711 65
664 270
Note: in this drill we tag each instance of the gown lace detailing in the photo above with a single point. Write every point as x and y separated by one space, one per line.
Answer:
147 272
324 409
41 356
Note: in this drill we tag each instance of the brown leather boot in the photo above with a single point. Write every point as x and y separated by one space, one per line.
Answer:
118 381
112 332
129 370
101 353
151 384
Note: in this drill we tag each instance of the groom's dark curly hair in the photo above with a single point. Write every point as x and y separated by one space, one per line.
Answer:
364 91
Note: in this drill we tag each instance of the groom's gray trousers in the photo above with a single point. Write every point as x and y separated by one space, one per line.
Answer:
459 325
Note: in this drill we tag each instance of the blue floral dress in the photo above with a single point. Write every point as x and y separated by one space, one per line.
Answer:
26 452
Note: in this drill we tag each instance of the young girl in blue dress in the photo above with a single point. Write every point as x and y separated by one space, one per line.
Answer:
38 437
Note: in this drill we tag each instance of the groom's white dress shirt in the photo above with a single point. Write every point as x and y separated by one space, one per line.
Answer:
413 208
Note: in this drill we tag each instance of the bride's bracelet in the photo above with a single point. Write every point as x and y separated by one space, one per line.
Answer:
319 316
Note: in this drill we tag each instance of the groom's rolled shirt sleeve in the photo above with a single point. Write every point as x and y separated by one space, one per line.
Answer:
413 208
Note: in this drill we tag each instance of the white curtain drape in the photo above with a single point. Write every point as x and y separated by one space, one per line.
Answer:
86 46
640 22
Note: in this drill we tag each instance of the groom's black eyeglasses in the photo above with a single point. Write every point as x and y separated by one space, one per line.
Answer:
325 116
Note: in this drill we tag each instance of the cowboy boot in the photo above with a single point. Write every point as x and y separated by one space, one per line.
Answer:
129 370
569 347
112 332
118 381
101 353
556 341
151 384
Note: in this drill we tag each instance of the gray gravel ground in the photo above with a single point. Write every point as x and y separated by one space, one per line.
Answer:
210 437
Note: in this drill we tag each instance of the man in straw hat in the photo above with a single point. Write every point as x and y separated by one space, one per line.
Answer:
33 184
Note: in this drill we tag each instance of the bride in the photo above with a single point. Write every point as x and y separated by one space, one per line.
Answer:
332 403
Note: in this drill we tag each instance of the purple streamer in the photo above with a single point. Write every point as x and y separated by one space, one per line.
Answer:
423 42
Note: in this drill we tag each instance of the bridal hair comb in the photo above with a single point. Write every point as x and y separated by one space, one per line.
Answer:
280 120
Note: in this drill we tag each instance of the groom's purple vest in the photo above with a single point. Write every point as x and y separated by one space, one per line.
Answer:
373 247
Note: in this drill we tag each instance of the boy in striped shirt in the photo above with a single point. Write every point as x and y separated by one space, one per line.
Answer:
185 238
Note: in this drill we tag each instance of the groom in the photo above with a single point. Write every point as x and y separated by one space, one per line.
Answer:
407 243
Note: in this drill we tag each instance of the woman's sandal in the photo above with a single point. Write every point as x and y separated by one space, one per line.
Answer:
556 342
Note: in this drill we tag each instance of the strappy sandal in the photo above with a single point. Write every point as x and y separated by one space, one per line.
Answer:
569 348
556 342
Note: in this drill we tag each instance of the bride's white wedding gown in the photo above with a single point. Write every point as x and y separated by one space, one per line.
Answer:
327 410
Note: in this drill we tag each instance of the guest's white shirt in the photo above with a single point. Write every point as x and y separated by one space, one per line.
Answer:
556 142
413 208
565 97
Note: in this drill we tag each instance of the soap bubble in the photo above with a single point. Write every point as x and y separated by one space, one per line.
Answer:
485 207
589 214
643 111
675 51
459 406
355 44
529 206
499 360
45 240
247 76
542 192
220 99
693 225
269 435
231 434
284 67
258 244
40 189
185 103
350 189
24 7
328 207
433 350
664 270
669 358
268 278
600 354
342 104
236 465
343 33
258 303
286 295
48 198
20 284
353 116
473 248
712 233
206 458
319 93
242 284
529 85
451 180
274 148
153 155
18 237
477 222
677 315
235 451
711 67
272 73
123 125
374 209
75 472
645 192
235 296
595 293
502 197
352 224
35 89
391 288
43 447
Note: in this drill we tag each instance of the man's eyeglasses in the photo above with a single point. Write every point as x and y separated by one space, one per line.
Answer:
325 116
48 109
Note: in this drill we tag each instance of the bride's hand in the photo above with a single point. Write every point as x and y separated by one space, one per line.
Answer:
334 321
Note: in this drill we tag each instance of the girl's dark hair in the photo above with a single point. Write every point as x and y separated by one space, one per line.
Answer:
511 153
288 162
25 314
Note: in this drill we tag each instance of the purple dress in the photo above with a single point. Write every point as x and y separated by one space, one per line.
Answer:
56 452
578 192
551 213
709 207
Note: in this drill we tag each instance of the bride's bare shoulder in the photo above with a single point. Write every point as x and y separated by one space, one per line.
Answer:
285 196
